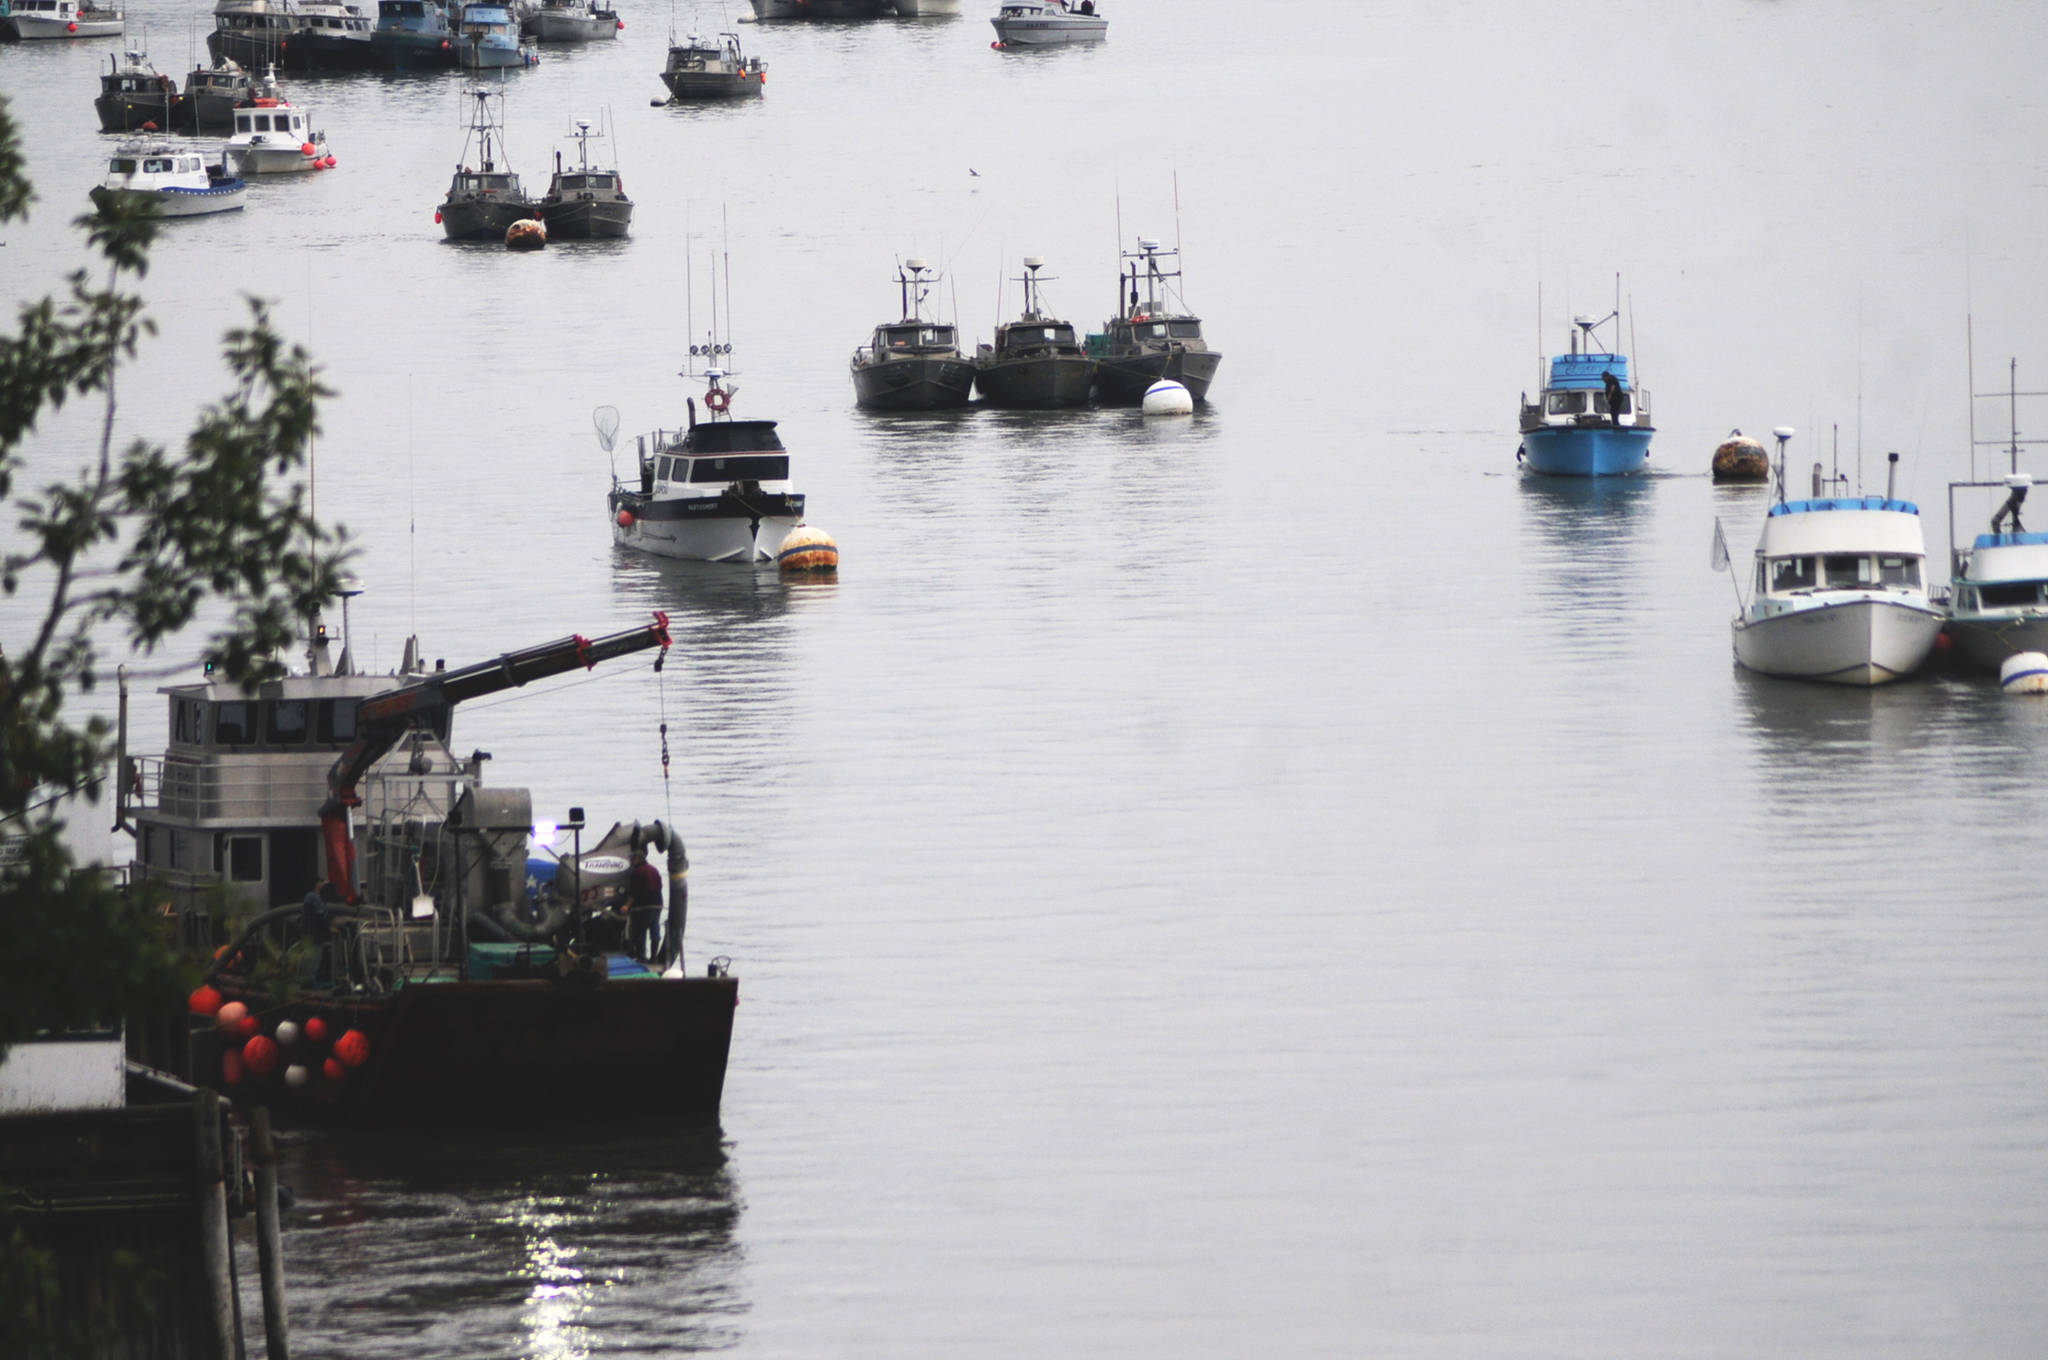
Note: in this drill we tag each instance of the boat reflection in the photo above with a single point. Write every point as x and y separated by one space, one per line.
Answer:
548 1241
1586 555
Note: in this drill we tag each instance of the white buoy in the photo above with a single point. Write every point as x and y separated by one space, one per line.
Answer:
287 1034
1168 398
296 1075
2024 673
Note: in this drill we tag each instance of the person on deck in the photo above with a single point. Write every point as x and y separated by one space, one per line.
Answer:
643 906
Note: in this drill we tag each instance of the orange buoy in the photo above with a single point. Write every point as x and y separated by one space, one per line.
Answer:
625 519
259 1055
353 1048
316 1031
205 1001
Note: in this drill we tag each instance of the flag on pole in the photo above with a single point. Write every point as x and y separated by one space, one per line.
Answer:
1719 559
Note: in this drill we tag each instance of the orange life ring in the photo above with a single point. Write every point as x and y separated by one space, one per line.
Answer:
716 400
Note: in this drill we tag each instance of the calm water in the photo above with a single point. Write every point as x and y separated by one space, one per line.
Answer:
1276 883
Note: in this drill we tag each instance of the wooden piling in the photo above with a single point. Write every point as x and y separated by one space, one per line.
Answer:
216 1250
269 1247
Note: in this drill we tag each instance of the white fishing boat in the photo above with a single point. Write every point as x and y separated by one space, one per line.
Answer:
178 181
25 20
1839 592
574 21
272 136
717 490
1998 586
1048 23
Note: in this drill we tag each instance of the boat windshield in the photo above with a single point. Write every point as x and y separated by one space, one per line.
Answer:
1845 571
2010 595
159 165
928 337
1567 403
121 165
402 9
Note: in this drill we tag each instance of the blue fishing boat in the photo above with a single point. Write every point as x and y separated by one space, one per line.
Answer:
1589 420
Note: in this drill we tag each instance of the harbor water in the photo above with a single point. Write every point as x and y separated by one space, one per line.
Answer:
1276 882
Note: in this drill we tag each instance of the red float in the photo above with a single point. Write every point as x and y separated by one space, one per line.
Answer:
259 1055
625 519
231 1069
316 1031
333 1070
250 1024
205 1001
228 1018
353 1048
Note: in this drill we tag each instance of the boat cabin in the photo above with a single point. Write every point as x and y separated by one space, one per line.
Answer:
1026 336
283 122
718 452
1815 546
2009 580
130 164
1579 392
137 79
473 183
587 183
488 20
913 336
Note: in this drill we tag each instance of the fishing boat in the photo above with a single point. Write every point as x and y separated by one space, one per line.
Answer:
913 363
1839 593
818 9
178 181
412 944
1152 338
1588 420
28 20
333 36
413 35
484 198
717 490
587 202
1035 362
487 39
1998 588
254 33
135 96
272 137
1048 23
699 68
212 93
575 21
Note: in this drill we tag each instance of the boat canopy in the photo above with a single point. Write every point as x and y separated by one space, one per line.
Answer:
1587 371
2020 540
733 436
1853 503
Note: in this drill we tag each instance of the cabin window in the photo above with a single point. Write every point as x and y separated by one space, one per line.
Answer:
665 469
244 859
1899 571
1184 330
121 165
939 335
145 845
1567 403
157 165
232 725
572 182
285 723
337 721
1793 573
1844 572
185 720
2011 596
1154 330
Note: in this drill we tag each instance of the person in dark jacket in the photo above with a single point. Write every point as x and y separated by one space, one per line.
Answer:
643 906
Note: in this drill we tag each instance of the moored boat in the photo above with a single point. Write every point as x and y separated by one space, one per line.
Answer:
28 20
913 363
484 200
1839 591
587 202
1035 362
212 93
1152 338
1048 23
333 36
1998 589
412 945
575 21
1588 420
487 39
717 490
413 35
701 68
177 181
135 97
273 137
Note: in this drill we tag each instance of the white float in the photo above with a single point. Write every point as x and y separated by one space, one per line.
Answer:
2024 673
1168 398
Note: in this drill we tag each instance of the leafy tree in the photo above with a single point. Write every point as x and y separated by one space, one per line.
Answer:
139 541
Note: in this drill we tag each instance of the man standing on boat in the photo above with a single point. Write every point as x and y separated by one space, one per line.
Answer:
643 906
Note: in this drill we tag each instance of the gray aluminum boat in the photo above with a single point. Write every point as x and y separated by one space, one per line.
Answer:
1048 23
913 364
1035 362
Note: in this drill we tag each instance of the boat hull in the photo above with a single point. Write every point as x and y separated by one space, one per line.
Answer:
1050 32
1587 450
1988 640
476 56
552 27
483 219
587 220
28 28
298 51
1859 640
1122 380
179 202
817 9
280 159
1043 383
524 1047
402 51
914 384
694 85
724 528
137 113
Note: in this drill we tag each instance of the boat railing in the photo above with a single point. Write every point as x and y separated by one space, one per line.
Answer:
206 791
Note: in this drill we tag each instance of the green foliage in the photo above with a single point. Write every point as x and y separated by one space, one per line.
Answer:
134 544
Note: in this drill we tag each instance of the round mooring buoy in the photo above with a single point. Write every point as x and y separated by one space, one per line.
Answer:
1741 459
808 548
2024 673
527 234
1168 398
